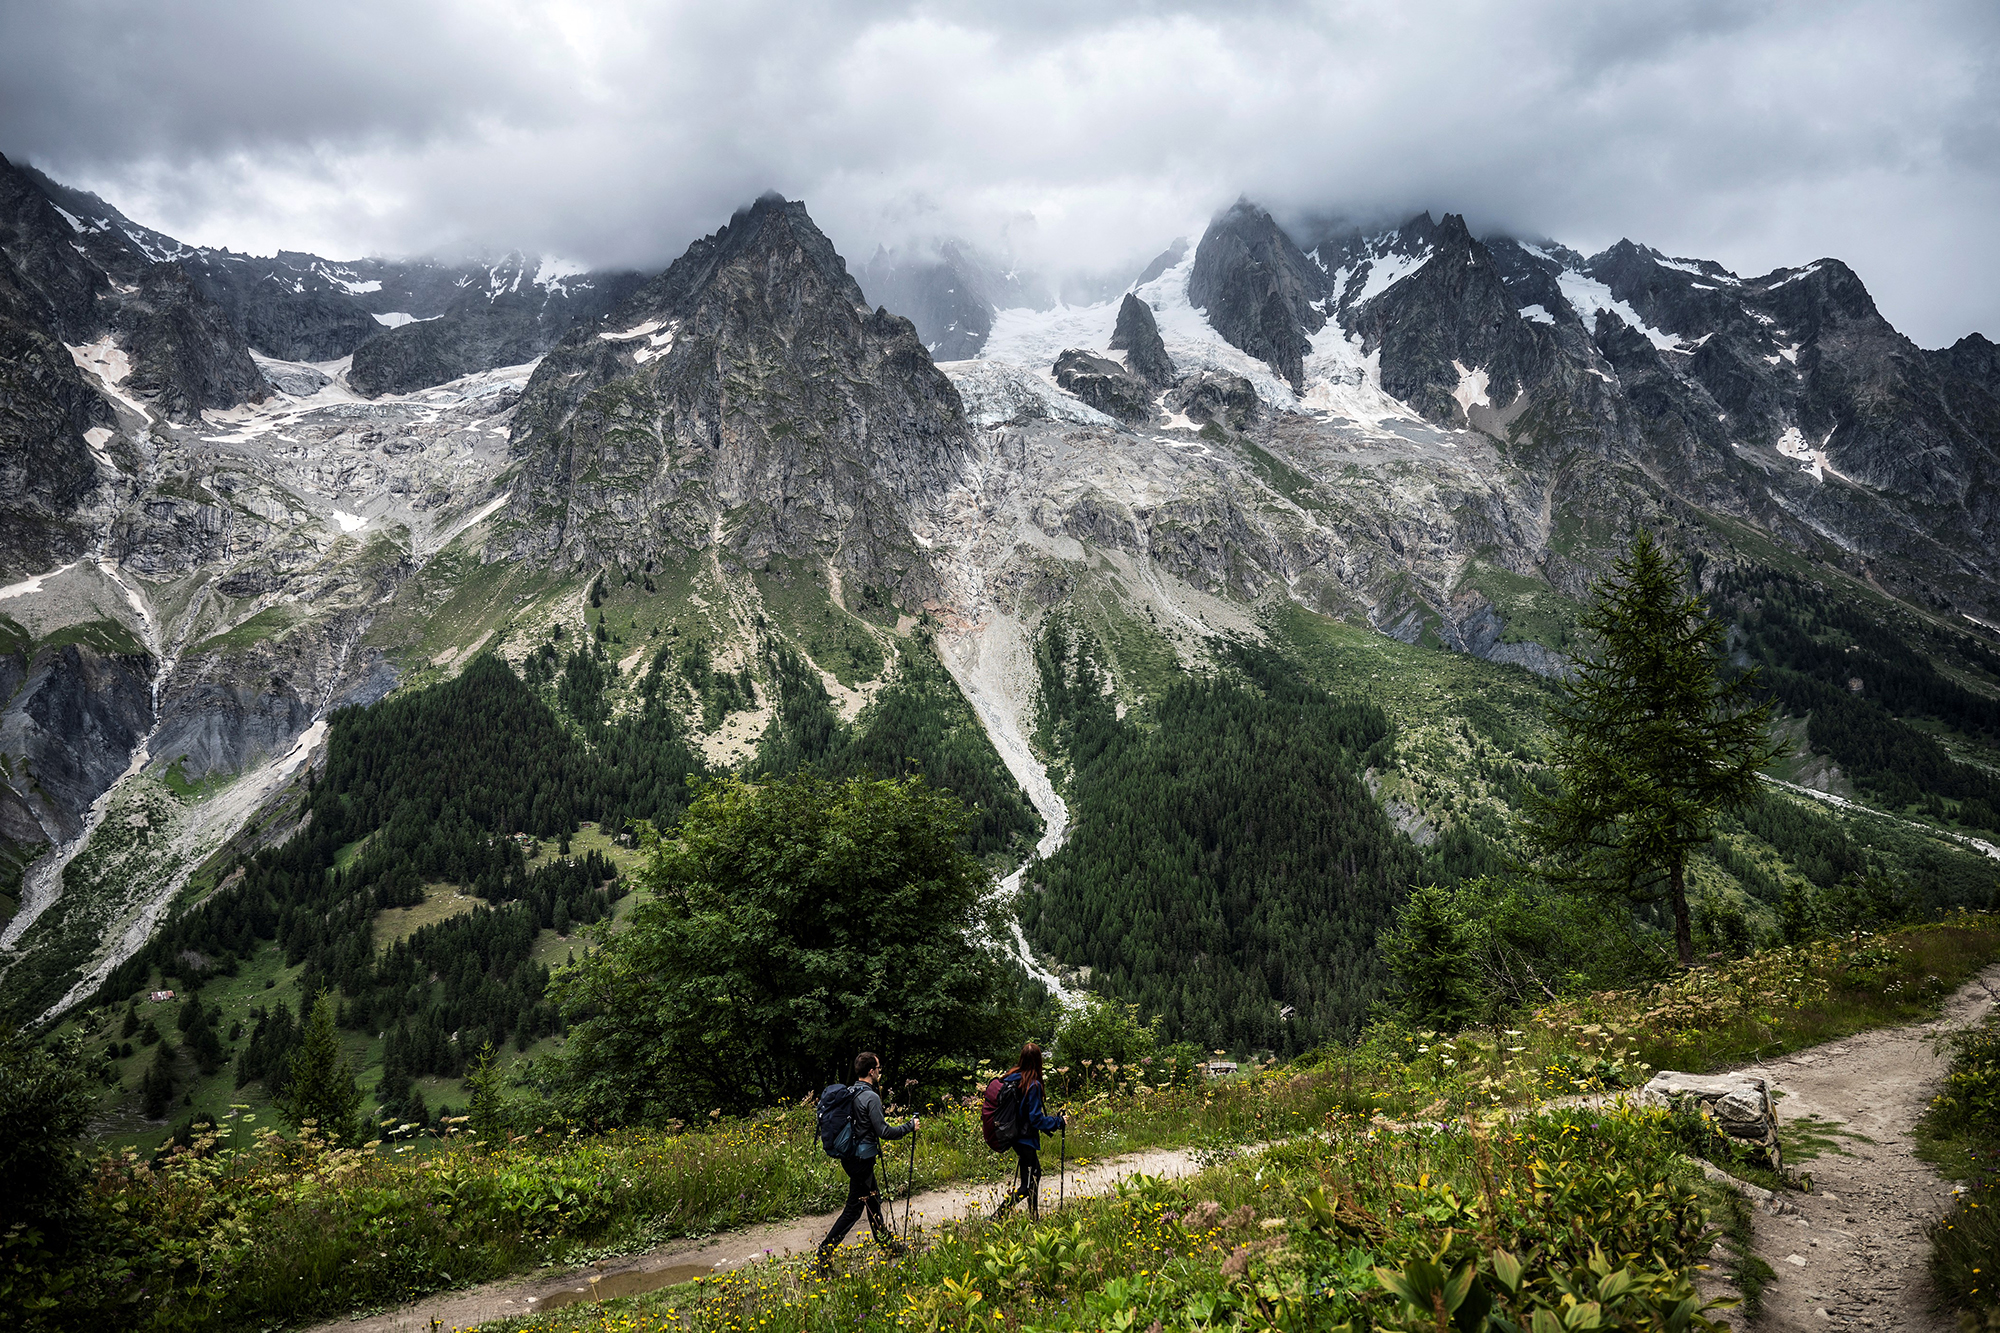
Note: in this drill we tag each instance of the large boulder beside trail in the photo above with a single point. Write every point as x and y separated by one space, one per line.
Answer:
1739 1105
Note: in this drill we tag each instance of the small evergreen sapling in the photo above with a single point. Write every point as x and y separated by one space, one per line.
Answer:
321 1086
1428 950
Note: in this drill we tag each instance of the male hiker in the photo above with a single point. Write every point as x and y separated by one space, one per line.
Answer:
860 1137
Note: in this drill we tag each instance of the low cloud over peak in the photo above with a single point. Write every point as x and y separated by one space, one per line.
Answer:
1075 137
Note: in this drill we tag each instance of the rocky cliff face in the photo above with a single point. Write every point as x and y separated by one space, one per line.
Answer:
299 307
1258 291
1137 334
506 320
46 408
746 398
94 280
72 724
185 356
1785 399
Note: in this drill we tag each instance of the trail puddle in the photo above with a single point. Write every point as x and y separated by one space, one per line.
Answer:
614 1285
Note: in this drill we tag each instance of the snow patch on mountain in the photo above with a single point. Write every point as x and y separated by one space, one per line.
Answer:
1340 380
1471 389
1536 314
1385 268
553 274
1810 457
996 391
1586 296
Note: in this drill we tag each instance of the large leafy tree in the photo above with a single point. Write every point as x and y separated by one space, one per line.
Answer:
791 923
1651 741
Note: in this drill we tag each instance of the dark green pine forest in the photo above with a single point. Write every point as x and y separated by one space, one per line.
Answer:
1867 687
1227 869
461 783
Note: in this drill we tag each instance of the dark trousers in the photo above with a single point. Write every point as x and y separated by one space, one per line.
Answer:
861 1194
1029 1184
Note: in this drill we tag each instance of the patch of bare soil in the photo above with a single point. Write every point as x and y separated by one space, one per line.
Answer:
1852 1253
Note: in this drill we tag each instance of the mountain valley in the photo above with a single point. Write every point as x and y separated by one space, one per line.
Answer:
1308 515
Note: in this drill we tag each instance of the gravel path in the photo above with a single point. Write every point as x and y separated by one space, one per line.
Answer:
1852 1253
681 1260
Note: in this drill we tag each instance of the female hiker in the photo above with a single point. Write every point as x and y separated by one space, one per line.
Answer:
1035 1121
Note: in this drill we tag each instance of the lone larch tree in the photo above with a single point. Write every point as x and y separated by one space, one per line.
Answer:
1651 741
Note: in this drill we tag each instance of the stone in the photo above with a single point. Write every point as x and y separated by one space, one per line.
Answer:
1740 1105
1105 385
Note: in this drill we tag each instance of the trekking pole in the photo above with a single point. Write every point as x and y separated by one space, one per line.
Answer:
1062 1168
909 1184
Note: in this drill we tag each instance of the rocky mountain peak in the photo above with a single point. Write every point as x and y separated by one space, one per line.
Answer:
746 395
1258 288
42 247
774 235
1138 335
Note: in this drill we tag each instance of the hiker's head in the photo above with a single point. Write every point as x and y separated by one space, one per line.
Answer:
866 1064
1030 1063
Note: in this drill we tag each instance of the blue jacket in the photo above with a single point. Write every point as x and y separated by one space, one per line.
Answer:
1035 1121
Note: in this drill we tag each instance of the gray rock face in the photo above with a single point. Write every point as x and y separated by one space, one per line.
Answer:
1138 336
1258 290
1453 311
1209 396
185 356
1105 385
492 324
45 407
748 393
73 723
37 241
228 727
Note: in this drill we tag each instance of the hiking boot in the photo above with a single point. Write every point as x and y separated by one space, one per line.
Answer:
822 1263
1005 1204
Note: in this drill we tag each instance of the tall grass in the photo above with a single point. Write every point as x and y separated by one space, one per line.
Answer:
251 1229
1294 1242
1784 999
1961 1130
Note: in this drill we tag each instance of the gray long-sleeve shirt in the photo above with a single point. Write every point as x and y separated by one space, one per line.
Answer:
870 1125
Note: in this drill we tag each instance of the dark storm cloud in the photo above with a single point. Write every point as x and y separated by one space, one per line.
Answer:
1077 136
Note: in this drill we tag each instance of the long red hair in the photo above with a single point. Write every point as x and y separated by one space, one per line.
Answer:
1029 1066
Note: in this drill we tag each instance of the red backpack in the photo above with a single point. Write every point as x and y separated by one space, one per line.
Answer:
1000 1114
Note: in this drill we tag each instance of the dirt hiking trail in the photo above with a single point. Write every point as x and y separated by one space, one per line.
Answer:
1852 1253
679 1261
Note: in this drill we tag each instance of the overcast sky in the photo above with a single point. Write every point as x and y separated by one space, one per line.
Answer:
1083 136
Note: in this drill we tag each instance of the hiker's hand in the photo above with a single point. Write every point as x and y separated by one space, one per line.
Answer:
915 1124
